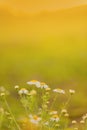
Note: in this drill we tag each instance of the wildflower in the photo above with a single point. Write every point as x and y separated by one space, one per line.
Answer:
61 91
63 111
3 90
34 82
43 85
66 115
48 89
84 117
82 122
35 119
54 118
2 94
46 123
71 91
47 102
23 91
16 87
74 122
53 112
32 92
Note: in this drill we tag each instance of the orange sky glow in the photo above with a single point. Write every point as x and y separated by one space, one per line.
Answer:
39 5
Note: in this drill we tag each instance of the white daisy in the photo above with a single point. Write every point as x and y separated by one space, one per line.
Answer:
43 85
23 91
55 118
71 91
34 119
61 91
34 82
53 112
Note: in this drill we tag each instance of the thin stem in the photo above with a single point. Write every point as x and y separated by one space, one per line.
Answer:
6 103
1 120
67 101
65 105
54 101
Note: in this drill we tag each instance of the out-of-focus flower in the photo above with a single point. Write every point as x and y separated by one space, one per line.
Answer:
3 90
66 115
63 111
34 82
33 92
55 118
16 87
43 85
74 122
48 89
82 122
61 91
23 91
34 119
53 112
46 123
84 117
71 91
2 94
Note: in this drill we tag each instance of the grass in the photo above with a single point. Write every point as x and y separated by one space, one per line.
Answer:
42 111
59 64
50 47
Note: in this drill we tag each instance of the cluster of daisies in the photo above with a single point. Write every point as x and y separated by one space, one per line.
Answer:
40 107
45 114
41 85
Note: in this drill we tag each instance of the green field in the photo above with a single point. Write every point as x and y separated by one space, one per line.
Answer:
46 49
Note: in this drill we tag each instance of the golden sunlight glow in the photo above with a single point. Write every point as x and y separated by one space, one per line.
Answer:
38 5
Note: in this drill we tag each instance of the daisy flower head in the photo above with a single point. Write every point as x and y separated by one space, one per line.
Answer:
43 85
48 89
2 94
53 113
82 122
23 91
74 122
34 82
55 118
71 91
16 87
63 111
58 90
66 115
34 119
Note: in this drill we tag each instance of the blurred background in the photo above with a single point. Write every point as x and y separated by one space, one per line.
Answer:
47 41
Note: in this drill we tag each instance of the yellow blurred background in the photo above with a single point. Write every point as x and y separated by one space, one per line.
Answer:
45 40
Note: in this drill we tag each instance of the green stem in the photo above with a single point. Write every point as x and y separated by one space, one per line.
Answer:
67 101
6 103
54 101
1 120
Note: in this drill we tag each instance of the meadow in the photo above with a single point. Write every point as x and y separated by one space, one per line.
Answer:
50 47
